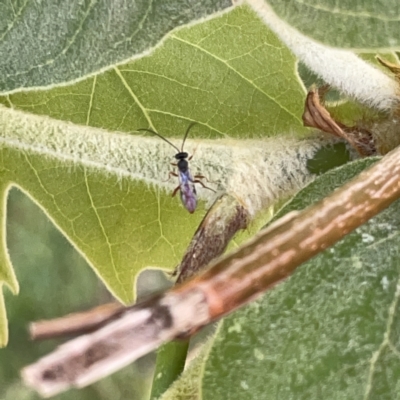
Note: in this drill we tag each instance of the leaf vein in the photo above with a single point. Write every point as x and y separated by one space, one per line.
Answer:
385 342
251 82
103 230
348 13
134 97
64 50
11 25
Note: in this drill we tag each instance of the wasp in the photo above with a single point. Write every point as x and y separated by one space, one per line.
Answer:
186 180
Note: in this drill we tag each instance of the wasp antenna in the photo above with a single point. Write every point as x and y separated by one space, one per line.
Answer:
186 133
162 137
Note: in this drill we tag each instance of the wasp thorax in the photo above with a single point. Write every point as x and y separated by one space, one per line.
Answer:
183 165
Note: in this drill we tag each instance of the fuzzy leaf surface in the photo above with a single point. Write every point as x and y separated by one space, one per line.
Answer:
362 25
119 223
49 43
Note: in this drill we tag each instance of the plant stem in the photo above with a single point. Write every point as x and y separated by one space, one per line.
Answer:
171 358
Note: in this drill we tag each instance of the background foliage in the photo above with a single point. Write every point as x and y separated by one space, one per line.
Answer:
232 75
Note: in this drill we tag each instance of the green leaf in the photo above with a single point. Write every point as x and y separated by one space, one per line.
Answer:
359 25
191 377
46 43
105 191
328 158
329 331
54 281
247 90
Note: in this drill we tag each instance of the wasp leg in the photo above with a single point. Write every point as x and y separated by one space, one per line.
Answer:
194 151
204 186
169 175
202 177
176 190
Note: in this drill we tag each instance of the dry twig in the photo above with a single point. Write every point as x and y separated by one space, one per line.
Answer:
229 283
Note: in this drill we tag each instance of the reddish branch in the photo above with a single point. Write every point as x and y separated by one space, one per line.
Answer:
229 283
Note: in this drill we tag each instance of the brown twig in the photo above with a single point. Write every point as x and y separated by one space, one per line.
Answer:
226 217
76 323
228 284
222 221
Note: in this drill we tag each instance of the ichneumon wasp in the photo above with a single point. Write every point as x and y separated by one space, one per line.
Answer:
186 182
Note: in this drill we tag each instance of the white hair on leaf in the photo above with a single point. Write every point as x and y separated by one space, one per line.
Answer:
257 172
342 69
